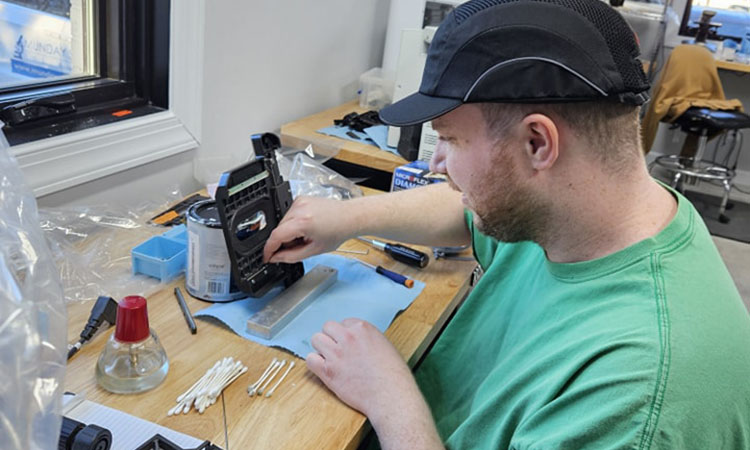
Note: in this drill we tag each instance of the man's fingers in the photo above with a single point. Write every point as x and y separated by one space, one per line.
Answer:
291 255
316 364
335 330
279 236
352 321
273 243
324 344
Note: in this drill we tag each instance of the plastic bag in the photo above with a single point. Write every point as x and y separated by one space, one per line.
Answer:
309 177
91 246
33 320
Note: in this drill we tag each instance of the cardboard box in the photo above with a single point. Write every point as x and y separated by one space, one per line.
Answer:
414 174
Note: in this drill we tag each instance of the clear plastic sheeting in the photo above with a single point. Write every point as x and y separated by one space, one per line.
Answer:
91 246
309 177
32 319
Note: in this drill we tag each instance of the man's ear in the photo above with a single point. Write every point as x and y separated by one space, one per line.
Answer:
542 141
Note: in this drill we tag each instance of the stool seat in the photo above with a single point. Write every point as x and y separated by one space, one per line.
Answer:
704 122
695 120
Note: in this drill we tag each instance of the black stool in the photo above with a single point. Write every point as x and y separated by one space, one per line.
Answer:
704 122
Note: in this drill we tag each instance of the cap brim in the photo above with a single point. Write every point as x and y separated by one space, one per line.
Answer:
416 109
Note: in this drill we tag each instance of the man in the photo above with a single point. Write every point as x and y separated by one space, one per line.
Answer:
605 317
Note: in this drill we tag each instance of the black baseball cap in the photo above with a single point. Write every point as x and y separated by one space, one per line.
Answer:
526 51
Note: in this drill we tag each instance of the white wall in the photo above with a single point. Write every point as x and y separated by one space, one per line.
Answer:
268 63
265 63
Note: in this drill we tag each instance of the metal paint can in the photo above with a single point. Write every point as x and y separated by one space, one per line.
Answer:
209 270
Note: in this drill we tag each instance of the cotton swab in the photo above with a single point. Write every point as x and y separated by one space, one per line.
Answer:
254 387
291 364
227 381
271 376
203 393
202 379
265 380
264 377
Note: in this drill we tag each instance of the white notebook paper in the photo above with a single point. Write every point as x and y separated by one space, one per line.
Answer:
128 432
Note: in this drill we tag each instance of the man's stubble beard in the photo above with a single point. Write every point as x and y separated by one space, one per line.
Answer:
518 217
512 213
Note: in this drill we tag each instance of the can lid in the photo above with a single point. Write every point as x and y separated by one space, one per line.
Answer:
132 319
205 213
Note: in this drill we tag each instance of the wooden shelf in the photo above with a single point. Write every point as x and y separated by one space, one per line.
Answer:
303 132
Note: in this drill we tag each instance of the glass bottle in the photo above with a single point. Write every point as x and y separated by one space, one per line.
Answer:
133 359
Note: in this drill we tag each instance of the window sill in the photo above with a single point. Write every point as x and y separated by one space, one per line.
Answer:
57 163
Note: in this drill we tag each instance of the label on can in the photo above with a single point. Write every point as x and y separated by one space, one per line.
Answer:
209 268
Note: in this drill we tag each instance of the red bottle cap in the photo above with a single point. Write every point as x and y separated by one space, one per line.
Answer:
132 319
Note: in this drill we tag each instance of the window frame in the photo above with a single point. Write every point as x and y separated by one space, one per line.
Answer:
59 162
132 42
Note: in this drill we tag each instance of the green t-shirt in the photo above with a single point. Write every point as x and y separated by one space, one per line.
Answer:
645 348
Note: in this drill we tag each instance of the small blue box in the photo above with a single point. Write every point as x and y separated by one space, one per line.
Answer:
178 233
163 257
415 174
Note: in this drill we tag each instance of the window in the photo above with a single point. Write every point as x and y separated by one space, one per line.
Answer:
45 41
435 12
68 65
733 15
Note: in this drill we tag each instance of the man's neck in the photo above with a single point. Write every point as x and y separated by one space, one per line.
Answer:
602 215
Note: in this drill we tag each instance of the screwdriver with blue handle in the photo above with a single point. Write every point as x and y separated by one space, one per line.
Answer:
400 253
397 277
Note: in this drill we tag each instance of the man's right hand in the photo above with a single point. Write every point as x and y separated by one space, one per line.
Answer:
431 215
310 227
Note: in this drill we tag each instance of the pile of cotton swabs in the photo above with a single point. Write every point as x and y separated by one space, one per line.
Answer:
274 368
205 391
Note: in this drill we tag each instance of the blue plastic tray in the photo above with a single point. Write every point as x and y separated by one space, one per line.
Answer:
163 257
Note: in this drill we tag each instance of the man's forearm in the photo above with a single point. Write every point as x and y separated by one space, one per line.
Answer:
431 215
408 425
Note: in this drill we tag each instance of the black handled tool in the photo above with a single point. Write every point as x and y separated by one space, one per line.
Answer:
400 253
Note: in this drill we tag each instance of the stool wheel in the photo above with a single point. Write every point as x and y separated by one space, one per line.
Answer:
723 218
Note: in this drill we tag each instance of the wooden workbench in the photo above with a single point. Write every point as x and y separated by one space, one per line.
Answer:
732 66
303 132
303 413
729 66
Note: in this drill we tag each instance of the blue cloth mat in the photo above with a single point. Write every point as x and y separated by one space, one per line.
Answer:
377 135
358 292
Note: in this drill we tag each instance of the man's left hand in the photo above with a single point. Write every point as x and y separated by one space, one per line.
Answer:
358 363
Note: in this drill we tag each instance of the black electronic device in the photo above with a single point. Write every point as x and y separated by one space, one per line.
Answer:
159 442
359 122
251 200
408 142
75 435
38 108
